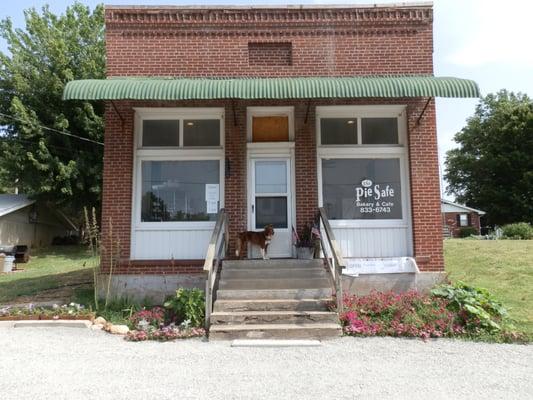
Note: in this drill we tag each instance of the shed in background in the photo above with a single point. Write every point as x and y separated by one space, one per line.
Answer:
27 222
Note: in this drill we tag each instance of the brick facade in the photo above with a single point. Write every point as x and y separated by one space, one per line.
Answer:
216 42
450 220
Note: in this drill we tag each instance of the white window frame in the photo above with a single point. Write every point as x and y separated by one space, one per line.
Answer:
368 151
173 154
251 112
359 112
461 225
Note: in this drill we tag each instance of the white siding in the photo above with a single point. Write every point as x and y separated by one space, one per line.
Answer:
170 244
374 242
16 229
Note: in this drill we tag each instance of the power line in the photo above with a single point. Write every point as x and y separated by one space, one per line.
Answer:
6 139
51 129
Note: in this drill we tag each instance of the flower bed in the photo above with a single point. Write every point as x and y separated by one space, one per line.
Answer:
446 312
164 334
72 311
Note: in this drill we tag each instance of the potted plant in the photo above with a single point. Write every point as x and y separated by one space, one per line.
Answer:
307 242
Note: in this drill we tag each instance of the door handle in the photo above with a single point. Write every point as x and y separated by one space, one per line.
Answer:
253 208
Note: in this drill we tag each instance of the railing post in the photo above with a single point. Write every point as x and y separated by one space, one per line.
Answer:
337 261
208 301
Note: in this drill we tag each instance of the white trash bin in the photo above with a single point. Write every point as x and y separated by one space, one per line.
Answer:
8 263
2 258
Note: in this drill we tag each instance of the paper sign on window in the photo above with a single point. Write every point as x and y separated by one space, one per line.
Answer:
212 192
212 207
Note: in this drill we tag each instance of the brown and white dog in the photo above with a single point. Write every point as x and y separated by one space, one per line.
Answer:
261 239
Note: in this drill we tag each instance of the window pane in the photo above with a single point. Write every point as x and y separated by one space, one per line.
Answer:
271 210
270 129
271 177
160 133
338 130
176 190
379 130
463 218
362 188
201 132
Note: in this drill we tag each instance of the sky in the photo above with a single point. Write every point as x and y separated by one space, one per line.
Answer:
489 41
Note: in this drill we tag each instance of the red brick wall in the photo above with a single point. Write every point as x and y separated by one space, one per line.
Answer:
450 220
335 42
425 186
178 42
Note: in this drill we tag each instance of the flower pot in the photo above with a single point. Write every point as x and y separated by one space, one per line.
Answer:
305 253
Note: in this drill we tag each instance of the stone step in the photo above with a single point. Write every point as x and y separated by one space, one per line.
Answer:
276 317
288 294
271 264
274 284
281 273
275 331
272 305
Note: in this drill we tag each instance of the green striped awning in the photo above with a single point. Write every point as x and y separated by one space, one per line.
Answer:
268 88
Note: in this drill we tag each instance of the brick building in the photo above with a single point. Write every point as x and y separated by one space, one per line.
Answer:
457 216
269 113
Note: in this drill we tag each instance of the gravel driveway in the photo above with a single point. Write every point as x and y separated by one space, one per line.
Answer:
71 363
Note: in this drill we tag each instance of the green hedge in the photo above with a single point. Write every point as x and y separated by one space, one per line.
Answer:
467 231
520 230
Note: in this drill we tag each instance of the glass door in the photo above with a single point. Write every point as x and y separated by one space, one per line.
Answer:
271 203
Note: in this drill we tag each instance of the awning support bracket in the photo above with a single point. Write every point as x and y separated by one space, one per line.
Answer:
423 111
234 113
122 120
307 111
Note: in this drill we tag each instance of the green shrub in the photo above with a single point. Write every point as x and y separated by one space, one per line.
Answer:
476 306
187 305
520 230
467 231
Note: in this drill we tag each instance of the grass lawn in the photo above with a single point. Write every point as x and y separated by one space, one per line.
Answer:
505 267
55 270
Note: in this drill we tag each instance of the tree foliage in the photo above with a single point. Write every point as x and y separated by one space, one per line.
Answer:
42 58
493 168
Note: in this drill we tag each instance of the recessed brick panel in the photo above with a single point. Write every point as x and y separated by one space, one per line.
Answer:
269 54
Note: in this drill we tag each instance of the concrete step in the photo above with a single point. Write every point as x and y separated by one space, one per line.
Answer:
289 294
275 331
273 317
272 264
272 305
281 273
264 284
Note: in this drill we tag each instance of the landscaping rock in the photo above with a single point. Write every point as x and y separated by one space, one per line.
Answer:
100 321
118 329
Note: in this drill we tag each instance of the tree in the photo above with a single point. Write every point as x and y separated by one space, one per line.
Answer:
493 168
52 50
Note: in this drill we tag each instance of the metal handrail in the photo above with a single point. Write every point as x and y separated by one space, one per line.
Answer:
334 261
216 250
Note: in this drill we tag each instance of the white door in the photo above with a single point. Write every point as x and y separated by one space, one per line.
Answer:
270 198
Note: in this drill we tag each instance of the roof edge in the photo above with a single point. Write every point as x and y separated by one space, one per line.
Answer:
16 208
462 206
418 4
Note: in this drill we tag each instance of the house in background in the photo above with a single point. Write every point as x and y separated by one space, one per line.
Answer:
30 223
226 119
456 216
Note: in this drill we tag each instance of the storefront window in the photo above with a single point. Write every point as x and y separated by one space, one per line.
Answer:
338 130
379 130
201 132
362 188
180 190
160 133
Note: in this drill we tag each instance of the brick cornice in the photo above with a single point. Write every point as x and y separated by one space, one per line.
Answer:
239 19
